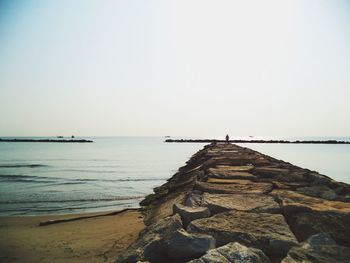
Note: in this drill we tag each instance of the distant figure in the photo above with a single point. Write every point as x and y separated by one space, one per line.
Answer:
227 138
73 137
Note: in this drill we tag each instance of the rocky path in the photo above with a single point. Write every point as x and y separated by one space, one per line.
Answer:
233 204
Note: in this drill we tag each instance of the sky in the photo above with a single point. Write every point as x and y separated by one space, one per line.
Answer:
180 68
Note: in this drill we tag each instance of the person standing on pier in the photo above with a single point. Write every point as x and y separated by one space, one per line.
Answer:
227 138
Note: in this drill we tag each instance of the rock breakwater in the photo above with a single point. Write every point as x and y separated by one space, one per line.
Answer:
233 204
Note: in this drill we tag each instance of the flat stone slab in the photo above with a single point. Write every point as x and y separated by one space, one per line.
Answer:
232 172
268 172
220 152
240 160
218 203
268 232
224 180
288 185
234 168
234 160
295 202
234 186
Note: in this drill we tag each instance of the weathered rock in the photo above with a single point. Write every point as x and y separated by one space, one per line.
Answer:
186 246
163 208
151 242
164 226
233 252
154 250
336 224
287 185
188 213
231 172
261 161
233 159
218 203
319 249
320 240
240 158
320 191
268 172
298 175
319 179
212 256
193 199
234 187
268 232
243 168
293 202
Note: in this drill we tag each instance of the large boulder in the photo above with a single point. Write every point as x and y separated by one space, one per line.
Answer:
226 186
319 248
233 253
151 244
218 203
185 246
336 224
188 213
268 232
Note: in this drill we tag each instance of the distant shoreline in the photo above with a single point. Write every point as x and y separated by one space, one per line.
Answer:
258 141
46 140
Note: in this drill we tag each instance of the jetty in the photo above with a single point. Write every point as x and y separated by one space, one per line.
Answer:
48 140
259 141
233 204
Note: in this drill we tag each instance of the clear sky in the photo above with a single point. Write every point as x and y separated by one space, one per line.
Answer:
192 68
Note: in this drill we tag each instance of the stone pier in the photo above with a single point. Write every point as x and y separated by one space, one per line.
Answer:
233 204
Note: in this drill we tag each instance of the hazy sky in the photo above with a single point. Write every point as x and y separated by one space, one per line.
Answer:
192 68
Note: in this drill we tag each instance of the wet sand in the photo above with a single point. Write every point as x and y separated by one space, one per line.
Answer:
96 239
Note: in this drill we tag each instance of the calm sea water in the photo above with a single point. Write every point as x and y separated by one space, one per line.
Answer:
117 172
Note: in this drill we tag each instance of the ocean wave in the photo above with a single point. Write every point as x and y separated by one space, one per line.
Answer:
24 178
102 199
60 180
34 211
22 165
90 171
121 180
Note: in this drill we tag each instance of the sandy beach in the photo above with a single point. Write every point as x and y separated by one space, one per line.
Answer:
96 239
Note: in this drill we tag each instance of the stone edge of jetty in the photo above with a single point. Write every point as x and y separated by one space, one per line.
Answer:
231 203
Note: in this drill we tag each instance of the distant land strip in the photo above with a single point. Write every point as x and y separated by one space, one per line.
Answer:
45 140
258 141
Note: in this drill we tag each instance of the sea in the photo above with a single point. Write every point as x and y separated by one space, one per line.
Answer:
114 173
